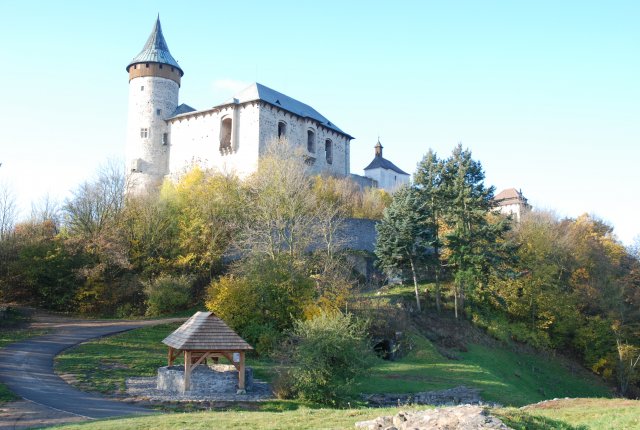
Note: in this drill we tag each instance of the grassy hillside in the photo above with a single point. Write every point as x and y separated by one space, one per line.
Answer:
502 375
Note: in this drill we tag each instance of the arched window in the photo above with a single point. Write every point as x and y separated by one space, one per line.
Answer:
328 151
311 141
282 129
225 135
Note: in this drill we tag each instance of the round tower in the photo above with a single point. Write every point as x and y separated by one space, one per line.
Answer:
154 83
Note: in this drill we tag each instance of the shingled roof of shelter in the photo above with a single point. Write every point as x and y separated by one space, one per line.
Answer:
204 331
258 91
156 50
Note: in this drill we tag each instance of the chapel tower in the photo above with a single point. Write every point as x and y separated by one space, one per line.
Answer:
154 83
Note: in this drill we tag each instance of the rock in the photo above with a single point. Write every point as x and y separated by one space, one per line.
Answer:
450 397
465 417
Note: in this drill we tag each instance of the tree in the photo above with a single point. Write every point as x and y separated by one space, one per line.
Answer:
471 239
8 211
405 235
428 182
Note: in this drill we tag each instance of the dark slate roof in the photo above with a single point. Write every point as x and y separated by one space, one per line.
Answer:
205 332
258 91
380 162
156 50
183 108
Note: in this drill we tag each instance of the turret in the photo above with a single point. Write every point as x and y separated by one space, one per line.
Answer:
154 84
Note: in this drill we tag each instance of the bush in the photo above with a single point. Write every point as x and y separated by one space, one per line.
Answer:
167 294
262 299
326 354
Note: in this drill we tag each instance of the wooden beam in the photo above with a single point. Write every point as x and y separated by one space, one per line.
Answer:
187 370
241 382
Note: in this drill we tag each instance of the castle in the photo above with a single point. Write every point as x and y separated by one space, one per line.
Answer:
164 138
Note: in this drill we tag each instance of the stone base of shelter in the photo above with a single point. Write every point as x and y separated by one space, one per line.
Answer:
218 383
212 379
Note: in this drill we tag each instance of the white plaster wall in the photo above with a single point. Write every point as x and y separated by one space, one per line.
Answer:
388 180
296 133
195 140
513 209
149 156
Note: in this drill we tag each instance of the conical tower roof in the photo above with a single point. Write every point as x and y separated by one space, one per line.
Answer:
156 50
204 331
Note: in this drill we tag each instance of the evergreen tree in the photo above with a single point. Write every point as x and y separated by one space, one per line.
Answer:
404 235
471 239
429 186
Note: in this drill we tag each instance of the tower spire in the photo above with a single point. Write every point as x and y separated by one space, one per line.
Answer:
378 148
156 50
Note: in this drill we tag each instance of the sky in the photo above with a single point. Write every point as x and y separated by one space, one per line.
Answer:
545 94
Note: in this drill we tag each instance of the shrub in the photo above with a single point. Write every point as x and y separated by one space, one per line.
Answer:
326 354
167 294
261 300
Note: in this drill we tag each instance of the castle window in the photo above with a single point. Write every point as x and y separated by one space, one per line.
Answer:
172 69
160 66
328 151
158 111
165 138
147 65
282 129
144 133
225 135
311 141
142 88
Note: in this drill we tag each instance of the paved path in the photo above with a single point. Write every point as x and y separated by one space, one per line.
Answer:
26 367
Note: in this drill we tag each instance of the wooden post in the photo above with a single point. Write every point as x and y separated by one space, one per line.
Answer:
170 360
241 375
187 370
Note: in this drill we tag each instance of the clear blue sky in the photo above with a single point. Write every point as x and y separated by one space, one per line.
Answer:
546 94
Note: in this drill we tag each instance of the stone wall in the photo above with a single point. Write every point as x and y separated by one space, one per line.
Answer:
217 378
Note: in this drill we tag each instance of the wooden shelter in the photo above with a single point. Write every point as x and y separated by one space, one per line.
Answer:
203 336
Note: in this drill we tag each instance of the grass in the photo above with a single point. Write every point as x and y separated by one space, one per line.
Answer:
502 375
571 414
578 414
298 419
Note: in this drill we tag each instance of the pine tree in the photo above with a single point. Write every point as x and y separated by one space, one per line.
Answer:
404 236
429 186
470 238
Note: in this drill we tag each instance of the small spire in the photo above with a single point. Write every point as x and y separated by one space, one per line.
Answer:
378 148
156 50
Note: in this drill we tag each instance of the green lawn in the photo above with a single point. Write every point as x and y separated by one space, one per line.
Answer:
502 375
578 414
573 414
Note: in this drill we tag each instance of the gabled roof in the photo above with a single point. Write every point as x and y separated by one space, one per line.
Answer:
183 108
156 50
205 332
258 91
382 163
509 196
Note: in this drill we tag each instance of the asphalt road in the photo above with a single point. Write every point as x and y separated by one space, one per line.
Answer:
26 367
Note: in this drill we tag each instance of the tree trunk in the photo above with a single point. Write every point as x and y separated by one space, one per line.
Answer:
415 284
437 254
455 301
